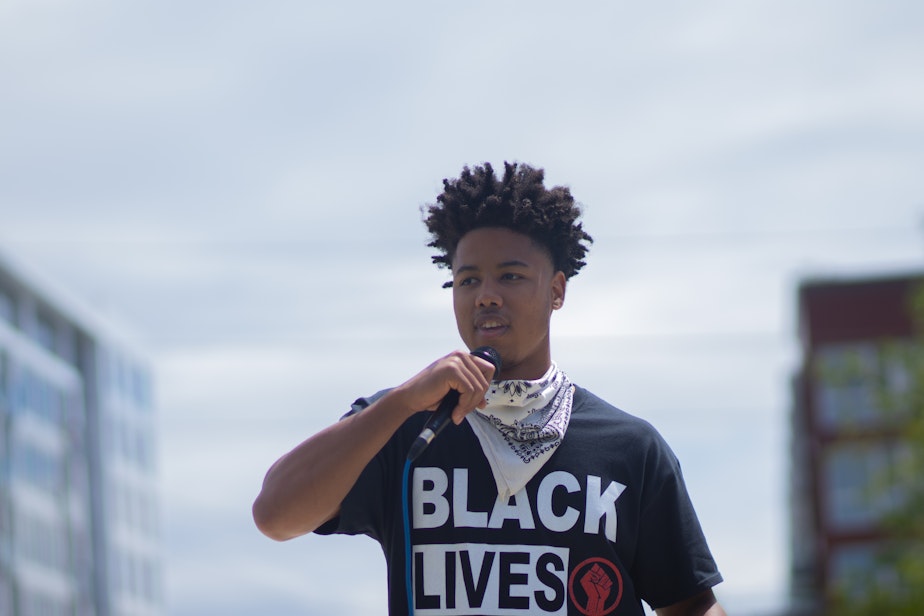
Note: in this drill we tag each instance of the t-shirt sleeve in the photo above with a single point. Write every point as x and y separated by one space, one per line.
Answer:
362 508
673 561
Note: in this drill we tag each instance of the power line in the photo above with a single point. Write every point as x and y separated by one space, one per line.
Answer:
711 236
749 235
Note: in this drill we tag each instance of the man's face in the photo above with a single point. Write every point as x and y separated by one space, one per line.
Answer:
504 289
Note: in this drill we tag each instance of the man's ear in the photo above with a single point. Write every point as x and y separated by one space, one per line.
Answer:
559 284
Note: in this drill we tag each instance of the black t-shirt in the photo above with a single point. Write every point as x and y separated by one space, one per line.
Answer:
605 523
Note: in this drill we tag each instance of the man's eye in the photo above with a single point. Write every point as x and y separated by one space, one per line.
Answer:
464 282
511 276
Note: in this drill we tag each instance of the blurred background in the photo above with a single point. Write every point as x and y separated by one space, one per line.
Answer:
228 195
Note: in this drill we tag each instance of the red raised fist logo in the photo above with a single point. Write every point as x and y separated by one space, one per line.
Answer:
599 588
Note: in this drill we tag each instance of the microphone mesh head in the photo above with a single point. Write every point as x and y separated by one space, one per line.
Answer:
491 355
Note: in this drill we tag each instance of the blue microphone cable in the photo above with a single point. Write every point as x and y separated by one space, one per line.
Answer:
438 421
408 569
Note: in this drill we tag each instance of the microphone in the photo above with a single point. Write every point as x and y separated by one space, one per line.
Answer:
442 416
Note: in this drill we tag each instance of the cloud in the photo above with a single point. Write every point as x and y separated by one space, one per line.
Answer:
243 183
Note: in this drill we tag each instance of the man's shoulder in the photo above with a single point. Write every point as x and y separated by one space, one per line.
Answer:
603 415
589 402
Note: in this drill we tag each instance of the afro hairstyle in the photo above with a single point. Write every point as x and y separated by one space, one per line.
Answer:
520 202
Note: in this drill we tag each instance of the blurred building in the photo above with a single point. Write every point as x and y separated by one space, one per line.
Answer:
79 527
846 434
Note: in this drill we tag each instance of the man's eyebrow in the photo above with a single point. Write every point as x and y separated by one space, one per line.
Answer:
474 268
465 268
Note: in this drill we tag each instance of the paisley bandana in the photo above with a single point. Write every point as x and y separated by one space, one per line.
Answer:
522 425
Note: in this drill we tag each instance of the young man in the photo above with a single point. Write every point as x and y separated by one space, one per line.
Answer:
543 498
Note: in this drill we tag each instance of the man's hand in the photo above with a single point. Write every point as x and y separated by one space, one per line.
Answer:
467 374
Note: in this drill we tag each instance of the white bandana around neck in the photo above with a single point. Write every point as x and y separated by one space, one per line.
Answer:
522 425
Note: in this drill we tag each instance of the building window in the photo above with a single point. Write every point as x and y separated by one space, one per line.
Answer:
852 568
67 343
128 380
33 603
6 595
862 385
861 568
860 483
900 360
42 542
37 467
45 333
7 307
4 382
39 397
141 394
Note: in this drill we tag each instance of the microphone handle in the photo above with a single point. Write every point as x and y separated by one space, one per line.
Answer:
441 418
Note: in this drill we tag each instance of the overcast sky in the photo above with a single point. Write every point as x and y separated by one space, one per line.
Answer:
241 183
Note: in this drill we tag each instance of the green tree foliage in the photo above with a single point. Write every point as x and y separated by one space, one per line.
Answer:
895 586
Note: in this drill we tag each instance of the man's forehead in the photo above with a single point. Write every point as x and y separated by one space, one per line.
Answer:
491 247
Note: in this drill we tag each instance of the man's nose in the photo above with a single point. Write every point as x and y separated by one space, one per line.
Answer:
488 295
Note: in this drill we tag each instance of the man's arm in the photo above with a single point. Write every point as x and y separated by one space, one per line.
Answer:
306 486
703 604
